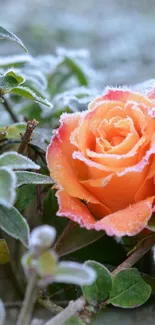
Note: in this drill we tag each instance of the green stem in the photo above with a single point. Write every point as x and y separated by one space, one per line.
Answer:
29 301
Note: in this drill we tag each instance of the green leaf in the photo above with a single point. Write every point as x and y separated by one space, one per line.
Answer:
75 320
46 263
100 289
77 70
7 83
32 178
25 195
7 187
149 280
76 238
6 35
14 131
75 273
129 289
16 76
4 252
10 80
28 93
14 160
2 313
12 222
14 60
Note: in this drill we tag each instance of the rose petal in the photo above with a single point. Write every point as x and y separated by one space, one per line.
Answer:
75 210
129 221
143 162
95 170
147 189
125 95
60 162
116 111
90 124
124 146
120 160
114 191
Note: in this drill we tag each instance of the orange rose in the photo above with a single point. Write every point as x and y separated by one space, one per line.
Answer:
103 161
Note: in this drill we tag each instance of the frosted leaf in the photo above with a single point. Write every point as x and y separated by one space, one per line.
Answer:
8 61
75 273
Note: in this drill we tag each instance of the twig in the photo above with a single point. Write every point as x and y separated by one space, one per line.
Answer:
146 245
68 312
9 109
26 137
29 301
50 305
39 200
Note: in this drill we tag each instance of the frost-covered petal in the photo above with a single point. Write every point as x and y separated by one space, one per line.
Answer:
60 162
125 95
129 221
75 210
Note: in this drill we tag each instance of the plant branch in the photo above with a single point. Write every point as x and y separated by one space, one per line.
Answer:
68 312
8 108
26 137
29 301
50 305
141 250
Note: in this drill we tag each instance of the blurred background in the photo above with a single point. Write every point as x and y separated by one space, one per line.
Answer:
119 34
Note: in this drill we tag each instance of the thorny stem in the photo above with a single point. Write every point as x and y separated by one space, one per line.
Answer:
29 301
26 137
9 109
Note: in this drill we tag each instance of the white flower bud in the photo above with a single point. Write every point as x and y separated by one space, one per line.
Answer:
42 238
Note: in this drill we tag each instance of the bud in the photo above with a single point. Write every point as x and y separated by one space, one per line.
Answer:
42 238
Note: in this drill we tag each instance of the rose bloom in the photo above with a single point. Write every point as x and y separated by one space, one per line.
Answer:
103 162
